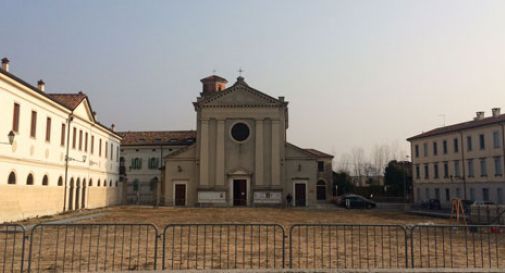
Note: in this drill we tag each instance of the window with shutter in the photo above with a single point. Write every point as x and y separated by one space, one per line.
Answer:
62 141
33 128
15 118
48 129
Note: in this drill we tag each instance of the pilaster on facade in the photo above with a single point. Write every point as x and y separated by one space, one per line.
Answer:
276 159
204 153
220 179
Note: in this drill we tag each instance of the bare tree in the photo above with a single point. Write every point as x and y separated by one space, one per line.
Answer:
344 163
358 159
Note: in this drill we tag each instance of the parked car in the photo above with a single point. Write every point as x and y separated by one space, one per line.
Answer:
354 201
431 204
483 203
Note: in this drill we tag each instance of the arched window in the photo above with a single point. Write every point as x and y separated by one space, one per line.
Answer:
136 163
60 181
12 178
29 180
117 184
84 183
78 183
98 183
110 183
45 181
321 190
153 163
90 183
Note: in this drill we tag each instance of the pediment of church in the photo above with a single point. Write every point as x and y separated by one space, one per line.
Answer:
240 94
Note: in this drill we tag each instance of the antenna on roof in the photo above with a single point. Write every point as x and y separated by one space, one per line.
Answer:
213 71
240 71
443 119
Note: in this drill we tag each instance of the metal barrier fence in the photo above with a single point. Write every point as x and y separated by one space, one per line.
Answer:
12 248
92 247
132 247
452 246
328 246
223 246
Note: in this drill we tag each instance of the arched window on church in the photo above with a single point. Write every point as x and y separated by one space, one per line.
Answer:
60 181
12 178
321 190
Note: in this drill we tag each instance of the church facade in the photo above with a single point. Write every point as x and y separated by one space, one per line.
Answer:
241 157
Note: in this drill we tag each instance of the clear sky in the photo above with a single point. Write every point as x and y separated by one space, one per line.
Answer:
356 73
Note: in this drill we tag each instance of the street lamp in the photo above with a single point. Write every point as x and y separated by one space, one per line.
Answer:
405 197
11 135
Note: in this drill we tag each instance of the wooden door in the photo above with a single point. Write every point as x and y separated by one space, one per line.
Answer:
180 195
240 192
300 195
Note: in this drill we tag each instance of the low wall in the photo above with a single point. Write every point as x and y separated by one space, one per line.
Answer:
21 202
103 196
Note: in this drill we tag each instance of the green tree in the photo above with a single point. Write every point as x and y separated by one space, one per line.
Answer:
396 175
343 181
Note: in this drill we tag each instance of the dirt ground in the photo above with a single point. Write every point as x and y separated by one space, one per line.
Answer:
167 215
112 247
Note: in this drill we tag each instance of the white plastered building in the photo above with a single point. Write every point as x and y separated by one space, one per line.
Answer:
61 157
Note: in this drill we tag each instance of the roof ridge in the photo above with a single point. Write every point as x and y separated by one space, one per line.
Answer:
157 131
460 126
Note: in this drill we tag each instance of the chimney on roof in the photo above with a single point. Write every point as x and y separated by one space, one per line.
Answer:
5 64
41 85
212 84
479 115
113 126
496 111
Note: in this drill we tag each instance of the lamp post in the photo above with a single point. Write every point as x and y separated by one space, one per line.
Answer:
405 197
11 135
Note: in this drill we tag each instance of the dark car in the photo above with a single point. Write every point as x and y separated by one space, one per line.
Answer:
353 201
431 204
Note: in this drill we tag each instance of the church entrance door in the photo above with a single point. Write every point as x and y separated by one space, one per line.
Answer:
239 192
300 195
180 195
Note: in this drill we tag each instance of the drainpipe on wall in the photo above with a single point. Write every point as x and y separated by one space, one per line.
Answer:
463 164
69 121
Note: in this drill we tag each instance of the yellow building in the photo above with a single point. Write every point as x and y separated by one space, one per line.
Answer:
464 160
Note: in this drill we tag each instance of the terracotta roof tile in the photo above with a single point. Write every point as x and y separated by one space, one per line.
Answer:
139 138
70 100
460 126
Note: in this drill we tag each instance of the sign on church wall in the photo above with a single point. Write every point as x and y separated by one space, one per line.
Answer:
267 197
211 197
